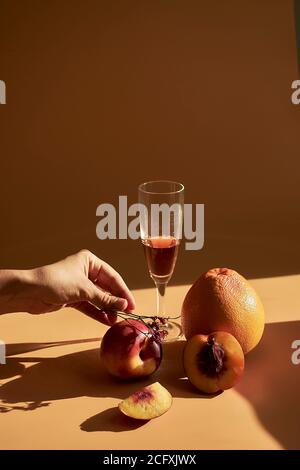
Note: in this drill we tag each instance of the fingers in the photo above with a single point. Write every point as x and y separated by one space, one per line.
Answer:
91 311
104 300
110 280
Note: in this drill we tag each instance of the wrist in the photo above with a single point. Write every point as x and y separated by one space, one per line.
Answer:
15 288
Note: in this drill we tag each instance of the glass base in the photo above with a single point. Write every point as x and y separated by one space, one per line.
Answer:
174 332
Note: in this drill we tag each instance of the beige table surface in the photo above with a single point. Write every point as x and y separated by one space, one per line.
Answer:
55 394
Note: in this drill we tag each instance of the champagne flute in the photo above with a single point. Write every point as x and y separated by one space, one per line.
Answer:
161 218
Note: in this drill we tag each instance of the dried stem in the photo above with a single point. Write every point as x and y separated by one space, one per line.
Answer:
155 326
140 317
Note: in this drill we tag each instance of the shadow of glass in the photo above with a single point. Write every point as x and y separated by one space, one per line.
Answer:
271 383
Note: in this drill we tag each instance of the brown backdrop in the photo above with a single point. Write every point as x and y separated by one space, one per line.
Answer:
102 95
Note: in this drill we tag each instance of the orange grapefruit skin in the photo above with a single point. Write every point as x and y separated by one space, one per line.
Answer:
223 300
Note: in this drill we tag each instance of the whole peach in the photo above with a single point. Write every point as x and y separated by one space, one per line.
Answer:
128 350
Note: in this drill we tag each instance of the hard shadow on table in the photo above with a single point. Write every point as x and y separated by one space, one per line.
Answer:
21 348
14 367
171 375
111 420
82 374
271 383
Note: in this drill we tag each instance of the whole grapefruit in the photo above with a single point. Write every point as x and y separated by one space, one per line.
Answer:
223 300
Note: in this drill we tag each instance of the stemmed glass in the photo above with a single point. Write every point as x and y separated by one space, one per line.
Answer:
161 218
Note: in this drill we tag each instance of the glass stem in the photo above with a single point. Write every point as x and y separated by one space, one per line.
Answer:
160 296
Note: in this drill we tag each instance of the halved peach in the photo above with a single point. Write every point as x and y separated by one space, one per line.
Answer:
213 362
149 402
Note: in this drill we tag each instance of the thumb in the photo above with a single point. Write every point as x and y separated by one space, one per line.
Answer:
103 299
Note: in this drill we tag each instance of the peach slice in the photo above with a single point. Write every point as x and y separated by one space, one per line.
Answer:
149 402
213 362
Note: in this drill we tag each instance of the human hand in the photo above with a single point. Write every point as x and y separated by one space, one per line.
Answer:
82 281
